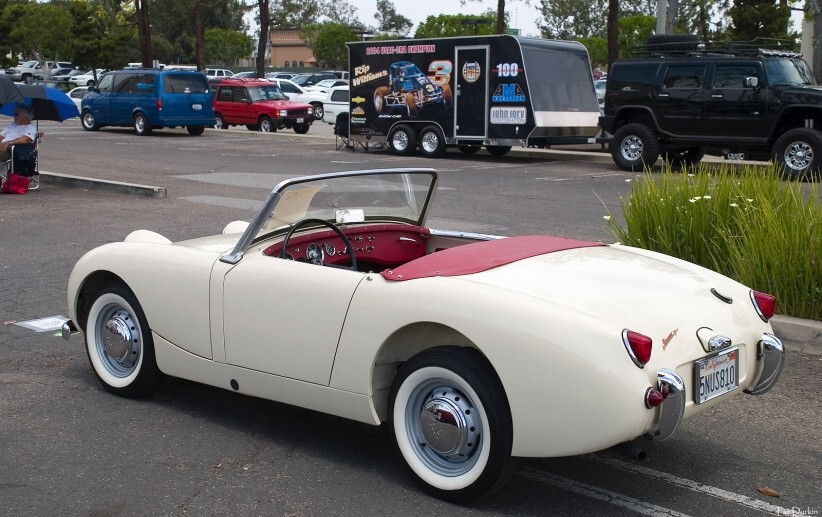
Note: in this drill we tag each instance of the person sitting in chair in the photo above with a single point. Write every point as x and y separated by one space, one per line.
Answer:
21 131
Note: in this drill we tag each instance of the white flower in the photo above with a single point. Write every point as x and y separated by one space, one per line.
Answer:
734 205
606 217
692 200
750 200
628 180
706 197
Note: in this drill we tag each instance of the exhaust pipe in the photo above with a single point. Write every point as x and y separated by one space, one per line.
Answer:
630 450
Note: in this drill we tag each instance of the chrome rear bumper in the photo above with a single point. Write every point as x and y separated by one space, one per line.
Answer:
771 353
68 329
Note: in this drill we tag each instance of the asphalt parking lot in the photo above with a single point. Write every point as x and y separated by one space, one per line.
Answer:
67 447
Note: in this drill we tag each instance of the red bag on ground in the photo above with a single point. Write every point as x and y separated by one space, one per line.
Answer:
15 184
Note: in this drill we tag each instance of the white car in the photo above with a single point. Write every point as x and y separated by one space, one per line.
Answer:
86 78
325 85
77 94
337 297
299 94
218 73
337 102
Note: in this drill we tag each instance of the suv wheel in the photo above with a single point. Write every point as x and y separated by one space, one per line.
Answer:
141 125
266 125
799 152
634 147
89 122
219 122
318 110
687 157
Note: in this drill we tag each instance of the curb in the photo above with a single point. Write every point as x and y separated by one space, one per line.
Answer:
798 334
55 178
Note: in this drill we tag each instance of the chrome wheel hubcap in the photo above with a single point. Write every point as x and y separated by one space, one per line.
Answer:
798 156
631 148
400 140
118 341
430 142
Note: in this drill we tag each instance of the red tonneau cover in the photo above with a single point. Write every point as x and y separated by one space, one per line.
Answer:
481 256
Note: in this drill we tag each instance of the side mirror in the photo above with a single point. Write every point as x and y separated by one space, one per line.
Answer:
751 82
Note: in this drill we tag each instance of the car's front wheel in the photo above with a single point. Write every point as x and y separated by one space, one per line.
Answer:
452 423
89 121
141 125
799 153
266 125
119 343
219 122
634 147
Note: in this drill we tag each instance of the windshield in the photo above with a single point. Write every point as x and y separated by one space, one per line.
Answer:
788 71
386 195
266 93
300 79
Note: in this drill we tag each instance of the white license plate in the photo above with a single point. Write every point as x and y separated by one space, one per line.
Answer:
196 107
300 120
716 375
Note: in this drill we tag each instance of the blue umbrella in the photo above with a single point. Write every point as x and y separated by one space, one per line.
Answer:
9 94
46 103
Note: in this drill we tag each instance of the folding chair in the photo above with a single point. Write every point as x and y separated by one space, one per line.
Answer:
24 162
343 138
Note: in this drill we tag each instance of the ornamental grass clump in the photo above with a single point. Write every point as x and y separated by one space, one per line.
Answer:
744 223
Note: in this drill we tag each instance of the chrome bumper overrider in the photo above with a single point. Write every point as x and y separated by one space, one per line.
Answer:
68 329
672 409
771 353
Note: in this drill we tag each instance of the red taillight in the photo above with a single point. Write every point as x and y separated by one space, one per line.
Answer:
638 346
764 303
159 104
654 397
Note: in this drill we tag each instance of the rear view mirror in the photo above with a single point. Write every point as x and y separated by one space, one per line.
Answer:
751 82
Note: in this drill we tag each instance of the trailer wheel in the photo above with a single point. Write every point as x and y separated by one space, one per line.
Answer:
498 150
447 96
411 104
379 98
403 140
432 142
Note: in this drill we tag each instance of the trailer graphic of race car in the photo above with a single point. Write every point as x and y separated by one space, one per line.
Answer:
411 89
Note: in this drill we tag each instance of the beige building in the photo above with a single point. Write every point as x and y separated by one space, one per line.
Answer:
288 50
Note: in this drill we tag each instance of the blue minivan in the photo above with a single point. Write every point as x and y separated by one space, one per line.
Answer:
148 99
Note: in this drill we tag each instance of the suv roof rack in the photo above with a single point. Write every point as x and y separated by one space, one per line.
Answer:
686 45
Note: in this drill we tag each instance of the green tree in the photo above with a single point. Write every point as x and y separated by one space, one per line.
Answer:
341 12
42 31
226 47
570 19
389 20
759 18
174 25
295 13
446 25
330 44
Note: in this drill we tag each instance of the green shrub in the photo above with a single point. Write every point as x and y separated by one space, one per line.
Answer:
746 224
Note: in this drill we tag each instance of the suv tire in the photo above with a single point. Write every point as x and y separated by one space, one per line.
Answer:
634 147
687 157
799 153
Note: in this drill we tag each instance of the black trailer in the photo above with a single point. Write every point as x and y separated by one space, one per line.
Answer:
494 91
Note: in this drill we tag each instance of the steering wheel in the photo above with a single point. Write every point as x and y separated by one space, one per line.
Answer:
321 222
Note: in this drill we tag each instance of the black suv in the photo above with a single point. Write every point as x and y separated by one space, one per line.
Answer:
739 99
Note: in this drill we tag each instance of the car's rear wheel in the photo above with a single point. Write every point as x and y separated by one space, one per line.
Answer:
799 153
403 140
301 129
687 157
219 122
318 110
119 343
432 142
498 150
452 423
89 121
634 147
266 125
195 130
141 125
411 104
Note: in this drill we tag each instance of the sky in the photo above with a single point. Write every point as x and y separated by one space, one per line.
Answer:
522 16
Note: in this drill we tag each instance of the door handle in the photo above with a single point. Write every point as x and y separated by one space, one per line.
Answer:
717 96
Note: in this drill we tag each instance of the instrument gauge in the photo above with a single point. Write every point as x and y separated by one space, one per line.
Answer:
330 249
314 254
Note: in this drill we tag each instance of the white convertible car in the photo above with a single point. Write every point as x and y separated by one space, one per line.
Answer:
476 349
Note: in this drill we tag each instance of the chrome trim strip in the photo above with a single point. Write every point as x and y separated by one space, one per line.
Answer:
771 352
630 350
673 408
465 235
